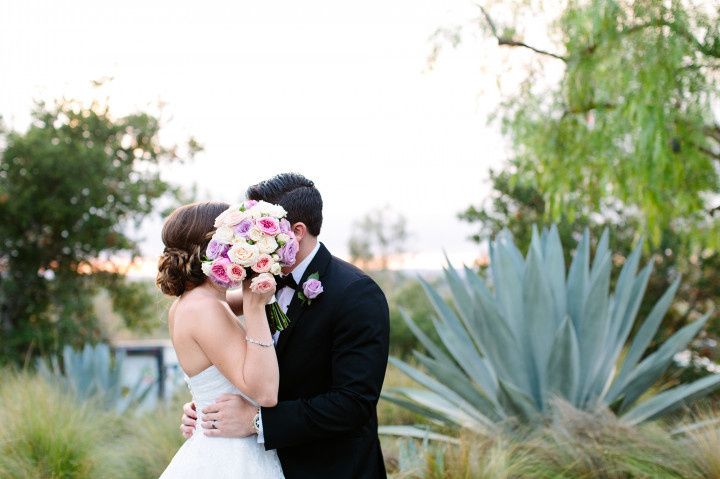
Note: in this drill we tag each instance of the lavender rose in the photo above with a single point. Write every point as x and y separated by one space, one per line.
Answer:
243 227
284 226
288 252
216 249
312 288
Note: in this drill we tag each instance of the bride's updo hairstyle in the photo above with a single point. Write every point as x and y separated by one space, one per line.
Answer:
186 234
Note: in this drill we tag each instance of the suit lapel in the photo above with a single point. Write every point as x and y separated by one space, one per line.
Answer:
297 307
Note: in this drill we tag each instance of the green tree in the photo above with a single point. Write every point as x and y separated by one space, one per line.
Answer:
631 123
72 188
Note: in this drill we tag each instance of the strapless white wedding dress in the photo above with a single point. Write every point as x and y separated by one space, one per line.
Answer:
220 457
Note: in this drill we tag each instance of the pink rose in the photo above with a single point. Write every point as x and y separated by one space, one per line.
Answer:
268 225
249 204
263 264
235 272
218 271
312 288
262 283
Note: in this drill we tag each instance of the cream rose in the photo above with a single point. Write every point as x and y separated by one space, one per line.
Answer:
267 244
277 211
264 207
233 217
255 212
282 238
224 234
206 267
254 234
275 269
244 254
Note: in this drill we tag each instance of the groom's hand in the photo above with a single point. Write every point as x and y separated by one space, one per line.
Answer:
229 416
187 425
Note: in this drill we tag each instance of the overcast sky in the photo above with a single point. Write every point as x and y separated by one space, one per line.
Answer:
339 91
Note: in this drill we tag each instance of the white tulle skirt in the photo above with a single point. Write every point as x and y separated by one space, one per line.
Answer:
223 458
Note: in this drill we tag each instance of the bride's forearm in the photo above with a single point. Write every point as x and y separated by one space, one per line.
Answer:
260 370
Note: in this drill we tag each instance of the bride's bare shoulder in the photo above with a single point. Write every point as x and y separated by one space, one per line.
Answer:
193 311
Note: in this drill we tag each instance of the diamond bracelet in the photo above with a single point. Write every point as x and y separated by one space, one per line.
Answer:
259 343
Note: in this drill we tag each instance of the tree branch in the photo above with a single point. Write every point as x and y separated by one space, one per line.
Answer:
679 30
509 42
710 153
587 108
713 132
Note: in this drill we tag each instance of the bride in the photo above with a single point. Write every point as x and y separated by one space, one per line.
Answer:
219 354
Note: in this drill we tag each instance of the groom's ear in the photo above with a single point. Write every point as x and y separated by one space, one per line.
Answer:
300 230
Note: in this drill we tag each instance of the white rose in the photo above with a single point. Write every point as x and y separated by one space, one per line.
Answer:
276 257
264 207
275 269
224 234
254 212
206 266
278 211
255 234
267 244
238 240
282 238
244 254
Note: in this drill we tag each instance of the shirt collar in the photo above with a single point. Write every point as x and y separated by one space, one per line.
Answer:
299 270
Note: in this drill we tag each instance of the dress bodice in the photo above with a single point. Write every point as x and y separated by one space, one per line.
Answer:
220 457
208 385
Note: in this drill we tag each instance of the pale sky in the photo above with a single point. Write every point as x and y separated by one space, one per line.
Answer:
339 91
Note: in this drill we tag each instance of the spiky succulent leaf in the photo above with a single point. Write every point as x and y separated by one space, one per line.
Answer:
536 333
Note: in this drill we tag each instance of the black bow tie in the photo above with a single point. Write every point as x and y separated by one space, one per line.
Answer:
287 281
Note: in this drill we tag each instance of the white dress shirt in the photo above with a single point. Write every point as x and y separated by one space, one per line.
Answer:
284 297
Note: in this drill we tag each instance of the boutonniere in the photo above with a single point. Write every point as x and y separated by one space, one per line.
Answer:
311 289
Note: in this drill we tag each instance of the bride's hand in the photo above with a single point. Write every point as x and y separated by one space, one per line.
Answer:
255 301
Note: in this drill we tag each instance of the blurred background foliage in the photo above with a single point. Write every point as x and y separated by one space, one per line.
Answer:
72 188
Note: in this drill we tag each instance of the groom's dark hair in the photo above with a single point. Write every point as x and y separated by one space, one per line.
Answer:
296 194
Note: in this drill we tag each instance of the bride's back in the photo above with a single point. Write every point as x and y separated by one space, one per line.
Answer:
187 315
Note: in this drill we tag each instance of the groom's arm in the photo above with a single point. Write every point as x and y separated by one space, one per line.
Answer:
359 359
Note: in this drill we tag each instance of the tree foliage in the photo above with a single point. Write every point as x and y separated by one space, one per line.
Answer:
631 124
72 188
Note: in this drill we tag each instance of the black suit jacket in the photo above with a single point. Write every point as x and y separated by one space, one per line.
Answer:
332 360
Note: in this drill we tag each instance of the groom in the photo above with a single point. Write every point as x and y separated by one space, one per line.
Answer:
332 358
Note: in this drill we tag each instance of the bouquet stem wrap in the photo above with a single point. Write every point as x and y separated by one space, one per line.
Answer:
277 319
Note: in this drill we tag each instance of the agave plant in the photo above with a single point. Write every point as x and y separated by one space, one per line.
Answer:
538 333
93 374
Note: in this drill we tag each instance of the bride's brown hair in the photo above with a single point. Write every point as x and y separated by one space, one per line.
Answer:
186 234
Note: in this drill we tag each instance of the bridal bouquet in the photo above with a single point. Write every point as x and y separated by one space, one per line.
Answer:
252 240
